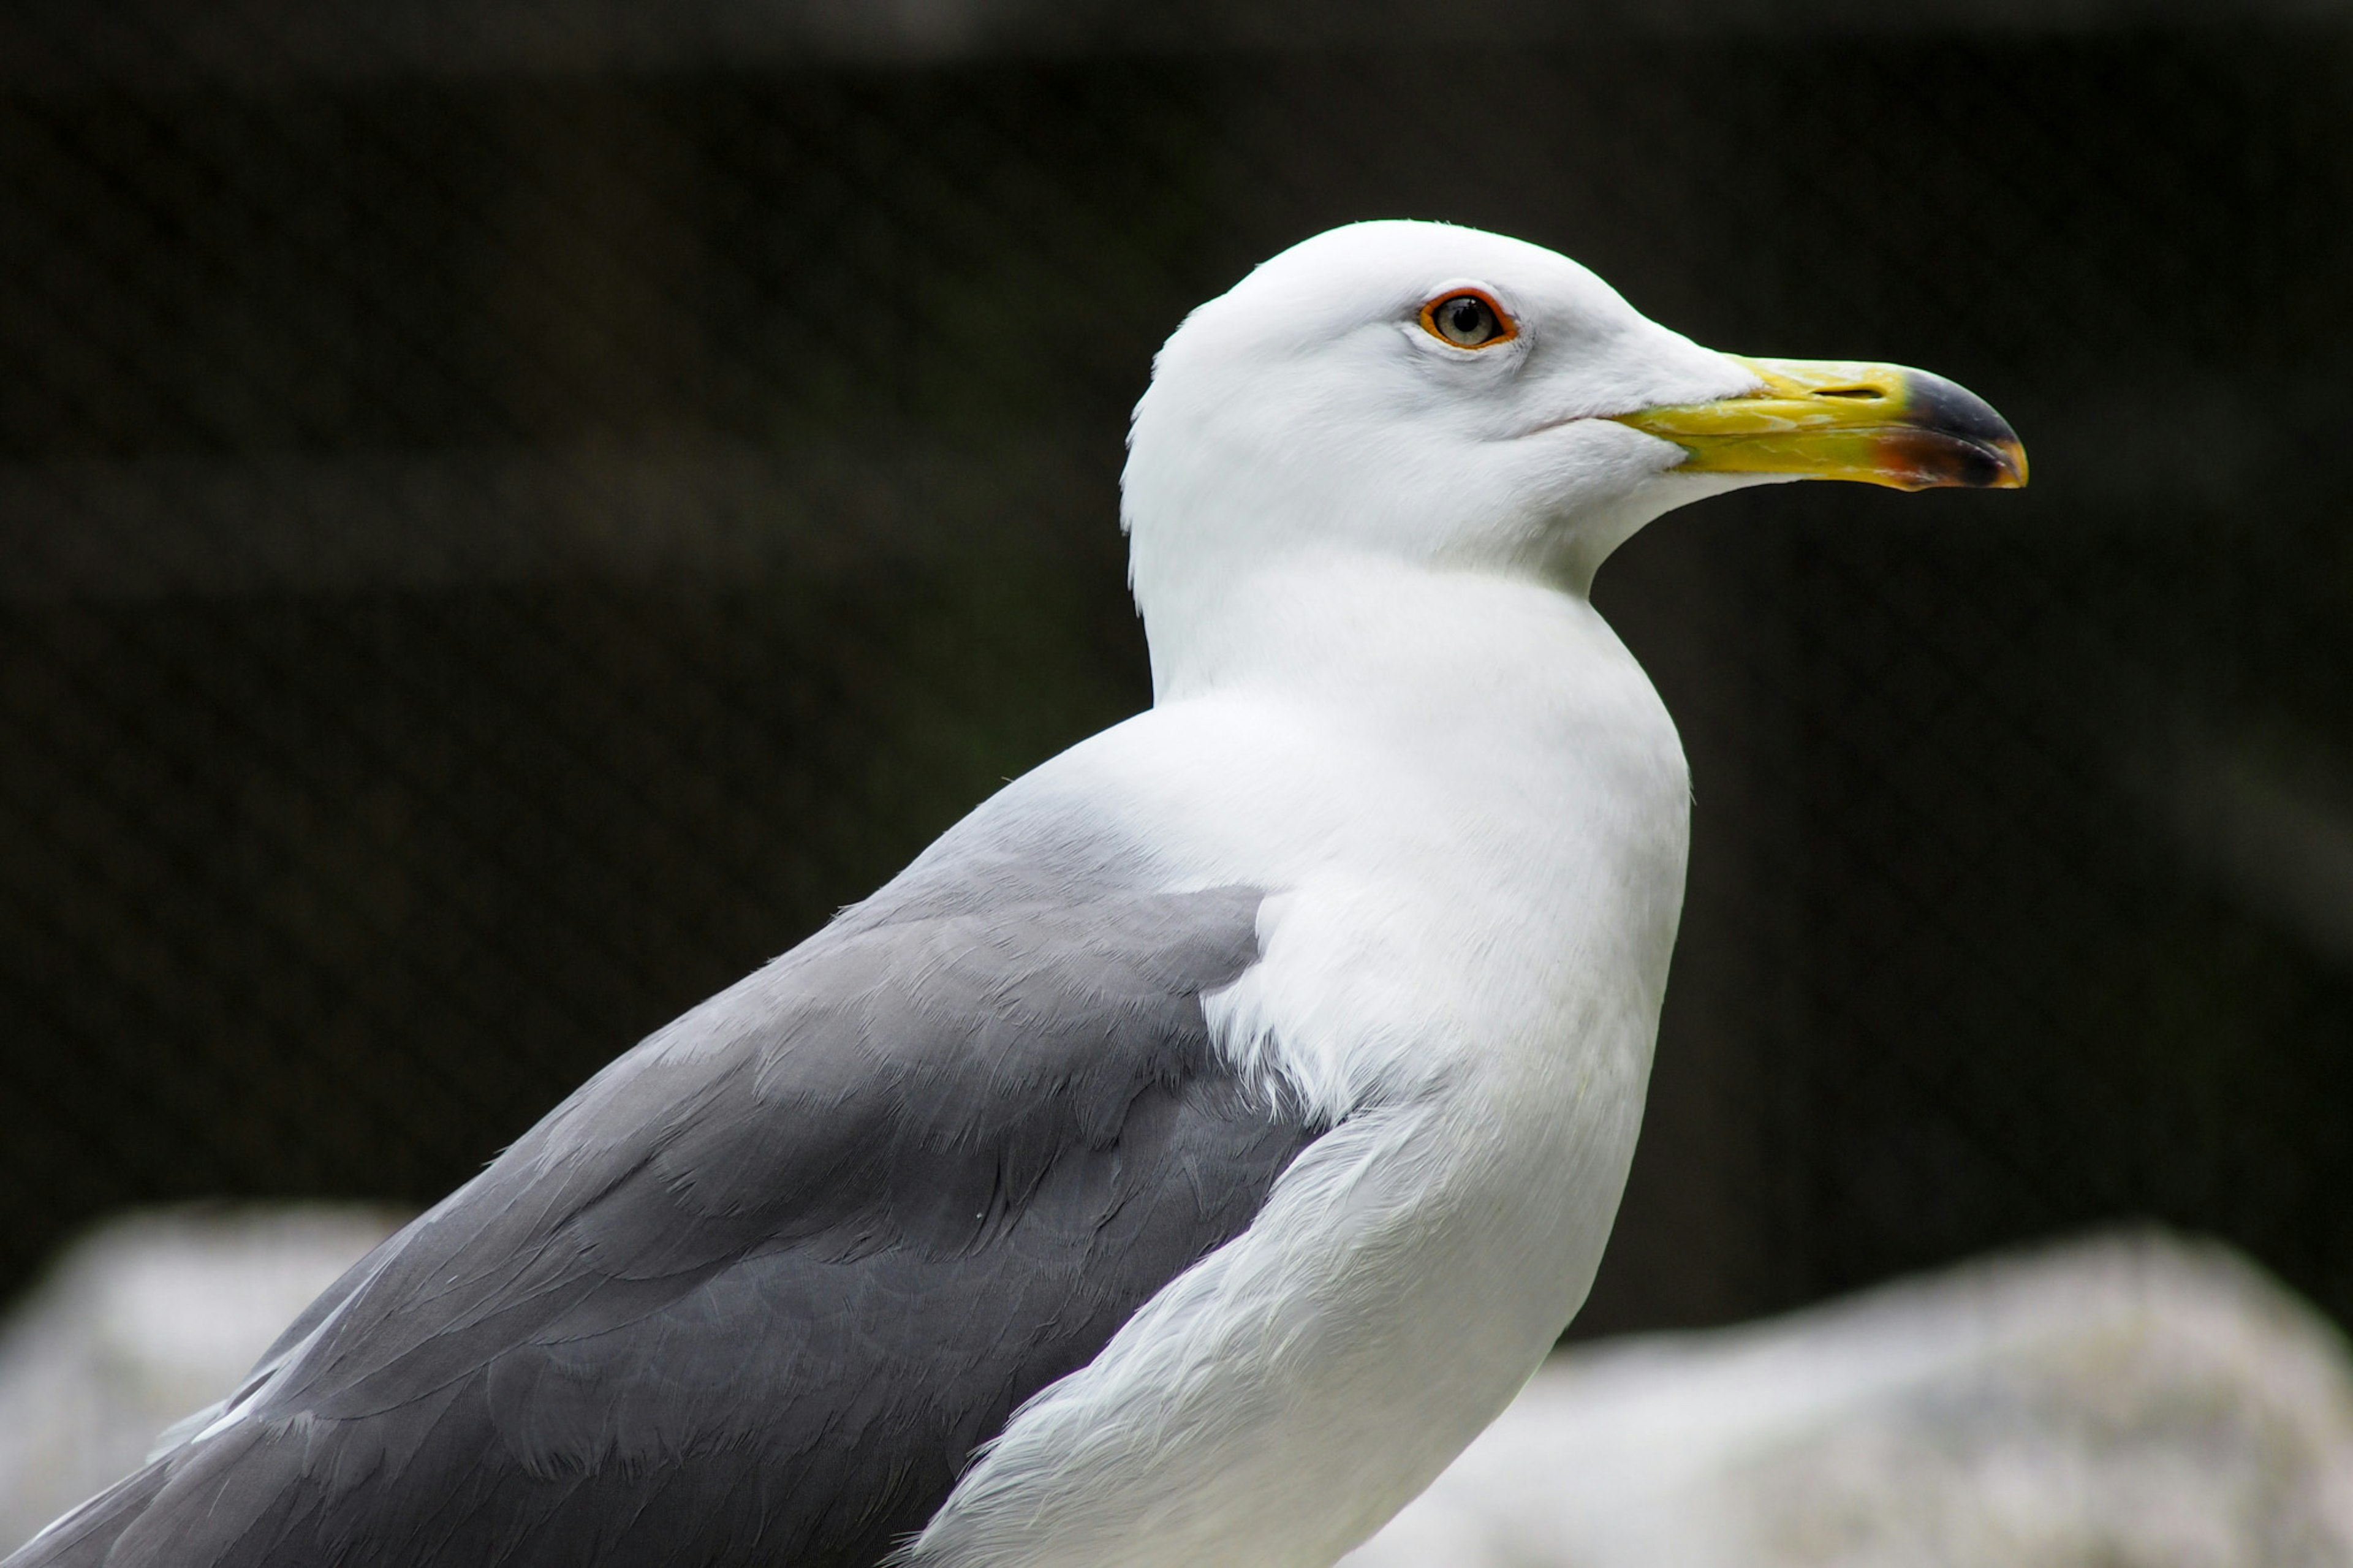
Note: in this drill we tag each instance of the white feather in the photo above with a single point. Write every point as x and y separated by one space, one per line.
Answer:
1381 694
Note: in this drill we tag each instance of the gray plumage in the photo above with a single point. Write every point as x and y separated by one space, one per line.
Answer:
755 1292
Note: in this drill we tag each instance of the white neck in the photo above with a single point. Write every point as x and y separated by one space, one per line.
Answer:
1420 642
1485 747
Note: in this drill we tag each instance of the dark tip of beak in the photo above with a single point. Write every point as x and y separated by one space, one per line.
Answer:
1951 436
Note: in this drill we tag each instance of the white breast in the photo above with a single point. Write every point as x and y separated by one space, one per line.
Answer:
1473 820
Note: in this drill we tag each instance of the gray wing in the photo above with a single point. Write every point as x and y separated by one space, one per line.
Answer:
757 1290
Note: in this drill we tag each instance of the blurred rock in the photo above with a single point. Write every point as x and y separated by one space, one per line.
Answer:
144 1321
2135 1401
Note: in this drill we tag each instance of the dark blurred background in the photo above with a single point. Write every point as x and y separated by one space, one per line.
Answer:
510 513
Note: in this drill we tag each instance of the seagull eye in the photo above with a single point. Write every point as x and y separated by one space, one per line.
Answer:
1468 320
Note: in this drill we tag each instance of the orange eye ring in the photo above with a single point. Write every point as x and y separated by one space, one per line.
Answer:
1467 319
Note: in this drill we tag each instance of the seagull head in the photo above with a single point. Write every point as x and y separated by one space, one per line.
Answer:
1420 394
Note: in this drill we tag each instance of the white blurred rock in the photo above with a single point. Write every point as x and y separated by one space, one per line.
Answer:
143 1321
2138 1402
2135 1402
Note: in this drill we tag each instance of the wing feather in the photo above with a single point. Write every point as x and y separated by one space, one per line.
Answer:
755 1292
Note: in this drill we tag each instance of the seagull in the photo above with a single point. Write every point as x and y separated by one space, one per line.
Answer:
1187 1154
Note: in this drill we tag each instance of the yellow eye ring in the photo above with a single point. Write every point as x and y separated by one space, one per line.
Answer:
1467 319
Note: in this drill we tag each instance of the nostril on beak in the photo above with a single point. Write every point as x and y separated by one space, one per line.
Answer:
1867 391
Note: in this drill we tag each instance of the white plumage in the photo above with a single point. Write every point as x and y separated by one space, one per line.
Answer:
1361 555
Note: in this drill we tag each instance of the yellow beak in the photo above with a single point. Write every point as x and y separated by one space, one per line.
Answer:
1825 419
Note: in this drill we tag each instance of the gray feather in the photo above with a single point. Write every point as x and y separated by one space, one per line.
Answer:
755 1292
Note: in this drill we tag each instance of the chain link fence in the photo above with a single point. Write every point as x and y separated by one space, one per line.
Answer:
495 541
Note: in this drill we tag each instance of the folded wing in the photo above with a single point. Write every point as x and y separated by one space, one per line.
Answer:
757 1290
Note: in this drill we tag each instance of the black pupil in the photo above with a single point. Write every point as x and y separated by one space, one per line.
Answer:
1467 319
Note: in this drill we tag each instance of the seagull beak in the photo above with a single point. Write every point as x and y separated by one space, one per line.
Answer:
1827 419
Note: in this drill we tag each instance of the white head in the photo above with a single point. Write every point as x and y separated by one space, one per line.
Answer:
1420 394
